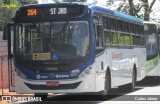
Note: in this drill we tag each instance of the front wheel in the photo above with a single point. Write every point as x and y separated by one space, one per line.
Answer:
105 92
133 84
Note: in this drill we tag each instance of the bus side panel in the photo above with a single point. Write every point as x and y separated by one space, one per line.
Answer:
127 58
125 63
109 59
141 62
100 71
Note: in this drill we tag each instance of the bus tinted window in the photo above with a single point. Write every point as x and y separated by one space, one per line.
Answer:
112 23
126 26
120 37
148 28
110 37
105 23
119 25
132 28
141 30
136 40
68 39
126 39
136 29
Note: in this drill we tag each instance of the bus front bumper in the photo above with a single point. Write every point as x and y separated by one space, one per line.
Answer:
78 85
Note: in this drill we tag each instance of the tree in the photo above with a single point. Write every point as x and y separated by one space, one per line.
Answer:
70 0
134 10
26 2
139 8
148 9
6 13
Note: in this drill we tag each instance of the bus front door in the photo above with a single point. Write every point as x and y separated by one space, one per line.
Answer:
8 34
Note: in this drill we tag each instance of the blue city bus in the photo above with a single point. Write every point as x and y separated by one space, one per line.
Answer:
74 48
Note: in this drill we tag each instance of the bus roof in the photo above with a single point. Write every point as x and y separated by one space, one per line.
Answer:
101 9
56 3
125 16
115 13
150 22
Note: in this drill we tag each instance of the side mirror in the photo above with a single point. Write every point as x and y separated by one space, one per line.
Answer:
5 33
99 30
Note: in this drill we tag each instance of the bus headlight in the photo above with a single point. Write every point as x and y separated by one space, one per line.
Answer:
20 74
86 71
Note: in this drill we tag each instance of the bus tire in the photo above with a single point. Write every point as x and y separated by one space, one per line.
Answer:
133 84
107 84
42 95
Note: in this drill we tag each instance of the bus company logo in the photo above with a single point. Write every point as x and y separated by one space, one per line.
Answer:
62 76
38 76
20 98
41 77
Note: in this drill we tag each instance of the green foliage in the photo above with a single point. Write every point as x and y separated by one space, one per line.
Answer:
134 10
26 2
6 13
69 0
74 0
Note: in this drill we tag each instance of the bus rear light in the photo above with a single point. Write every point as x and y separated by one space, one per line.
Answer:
52 83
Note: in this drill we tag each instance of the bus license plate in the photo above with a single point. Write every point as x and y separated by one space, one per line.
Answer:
50 83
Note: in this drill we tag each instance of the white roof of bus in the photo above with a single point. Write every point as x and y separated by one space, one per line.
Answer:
150 22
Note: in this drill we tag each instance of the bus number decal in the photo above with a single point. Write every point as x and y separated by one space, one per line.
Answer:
31 12
58 11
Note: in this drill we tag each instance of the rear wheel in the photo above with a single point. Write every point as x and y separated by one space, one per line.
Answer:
42 95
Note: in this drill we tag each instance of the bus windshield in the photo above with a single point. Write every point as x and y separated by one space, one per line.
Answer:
150 33
52 40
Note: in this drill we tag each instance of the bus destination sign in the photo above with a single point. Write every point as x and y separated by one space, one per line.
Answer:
58 11
47 12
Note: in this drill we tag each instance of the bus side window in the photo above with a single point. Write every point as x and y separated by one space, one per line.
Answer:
98 37
134 40
120 37
107 37
127 39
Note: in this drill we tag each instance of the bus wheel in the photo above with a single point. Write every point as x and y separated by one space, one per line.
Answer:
42 95
105 92
133 84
